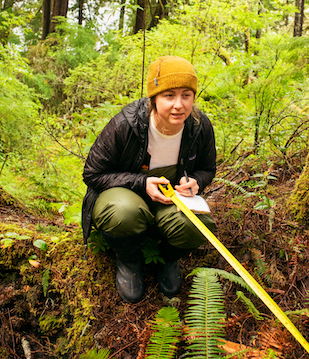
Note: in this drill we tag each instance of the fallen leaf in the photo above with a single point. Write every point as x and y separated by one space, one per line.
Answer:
34 263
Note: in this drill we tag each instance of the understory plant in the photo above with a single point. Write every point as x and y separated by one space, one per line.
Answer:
166 334
204 319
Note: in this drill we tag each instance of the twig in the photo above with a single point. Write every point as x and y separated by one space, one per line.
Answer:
12 333
60 144
121 349
26 347
231 205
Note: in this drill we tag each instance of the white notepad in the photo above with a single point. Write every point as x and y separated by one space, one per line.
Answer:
196 203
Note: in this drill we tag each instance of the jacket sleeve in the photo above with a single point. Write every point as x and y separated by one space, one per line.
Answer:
205 168
103 168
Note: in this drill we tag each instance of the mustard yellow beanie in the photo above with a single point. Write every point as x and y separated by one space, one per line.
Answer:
169 72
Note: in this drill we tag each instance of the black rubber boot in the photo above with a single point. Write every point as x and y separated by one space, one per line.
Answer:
169 273
129 279
129 267
169 278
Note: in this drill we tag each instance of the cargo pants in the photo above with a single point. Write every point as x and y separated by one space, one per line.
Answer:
121 213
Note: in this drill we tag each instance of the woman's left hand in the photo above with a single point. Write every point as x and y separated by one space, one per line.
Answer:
184 187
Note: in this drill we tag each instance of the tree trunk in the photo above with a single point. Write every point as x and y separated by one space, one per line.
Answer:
247 40
159 13
286 17
121 15
7 4
46 18
258 33
80 11
140 16
59 8
299 18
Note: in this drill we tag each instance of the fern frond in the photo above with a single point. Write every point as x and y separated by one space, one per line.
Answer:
205 316
225 275
167 330
235 185
94 354
304 311
249 305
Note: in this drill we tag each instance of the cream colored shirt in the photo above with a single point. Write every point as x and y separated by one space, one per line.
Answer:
163 149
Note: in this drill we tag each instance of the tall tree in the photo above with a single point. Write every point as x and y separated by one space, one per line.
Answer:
140 16
52 9
80 11
59 8
299 18
46 18
121 14
160 12
7 4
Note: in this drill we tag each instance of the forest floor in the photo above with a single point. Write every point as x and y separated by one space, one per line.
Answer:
57 302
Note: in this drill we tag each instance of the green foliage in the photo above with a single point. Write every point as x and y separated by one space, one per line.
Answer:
45 281
249 305
205 316
298 202
72 214
225 275
97 242
167 330
39 243
96 354
50 323
304 311
74 44
8 22
53 58
18 106
151 252
8 239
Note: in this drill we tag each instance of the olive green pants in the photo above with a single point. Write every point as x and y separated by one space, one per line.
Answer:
120 212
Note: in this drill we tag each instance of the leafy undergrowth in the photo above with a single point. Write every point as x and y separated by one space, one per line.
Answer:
59 300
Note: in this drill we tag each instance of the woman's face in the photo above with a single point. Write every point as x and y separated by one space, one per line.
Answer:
172 108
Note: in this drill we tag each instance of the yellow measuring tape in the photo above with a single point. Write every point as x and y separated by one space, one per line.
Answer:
168 191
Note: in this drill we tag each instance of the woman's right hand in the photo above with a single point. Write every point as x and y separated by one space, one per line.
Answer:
153 191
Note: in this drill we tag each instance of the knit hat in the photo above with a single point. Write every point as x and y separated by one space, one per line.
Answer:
169 72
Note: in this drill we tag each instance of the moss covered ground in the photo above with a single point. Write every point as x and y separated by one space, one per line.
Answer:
58 297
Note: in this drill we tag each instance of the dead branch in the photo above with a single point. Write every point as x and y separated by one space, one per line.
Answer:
26 347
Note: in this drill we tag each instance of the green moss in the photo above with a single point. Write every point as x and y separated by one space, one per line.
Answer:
50 323
298 202
75 287
4 353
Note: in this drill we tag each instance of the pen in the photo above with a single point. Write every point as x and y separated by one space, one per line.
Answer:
187 179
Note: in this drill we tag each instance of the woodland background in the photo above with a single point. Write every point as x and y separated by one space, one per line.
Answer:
66 67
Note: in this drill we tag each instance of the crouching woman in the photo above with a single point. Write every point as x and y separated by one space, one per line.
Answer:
161 135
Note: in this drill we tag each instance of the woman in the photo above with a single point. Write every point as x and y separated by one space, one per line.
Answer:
161 135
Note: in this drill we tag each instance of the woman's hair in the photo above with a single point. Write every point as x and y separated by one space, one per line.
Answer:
152 107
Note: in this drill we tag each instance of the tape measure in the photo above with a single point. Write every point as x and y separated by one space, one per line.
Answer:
168 191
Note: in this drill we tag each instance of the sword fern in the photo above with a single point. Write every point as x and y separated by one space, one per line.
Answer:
205 316
166 332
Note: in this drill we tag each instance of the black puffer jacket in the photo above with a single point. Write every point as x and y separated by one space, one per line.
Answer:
120 150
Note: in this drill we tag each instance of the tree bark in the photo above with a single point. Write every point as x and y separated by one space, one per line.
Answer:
46 18
59 8
140 16
80 11
258 33
7 4
159 13
121 15
299 18
247 40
